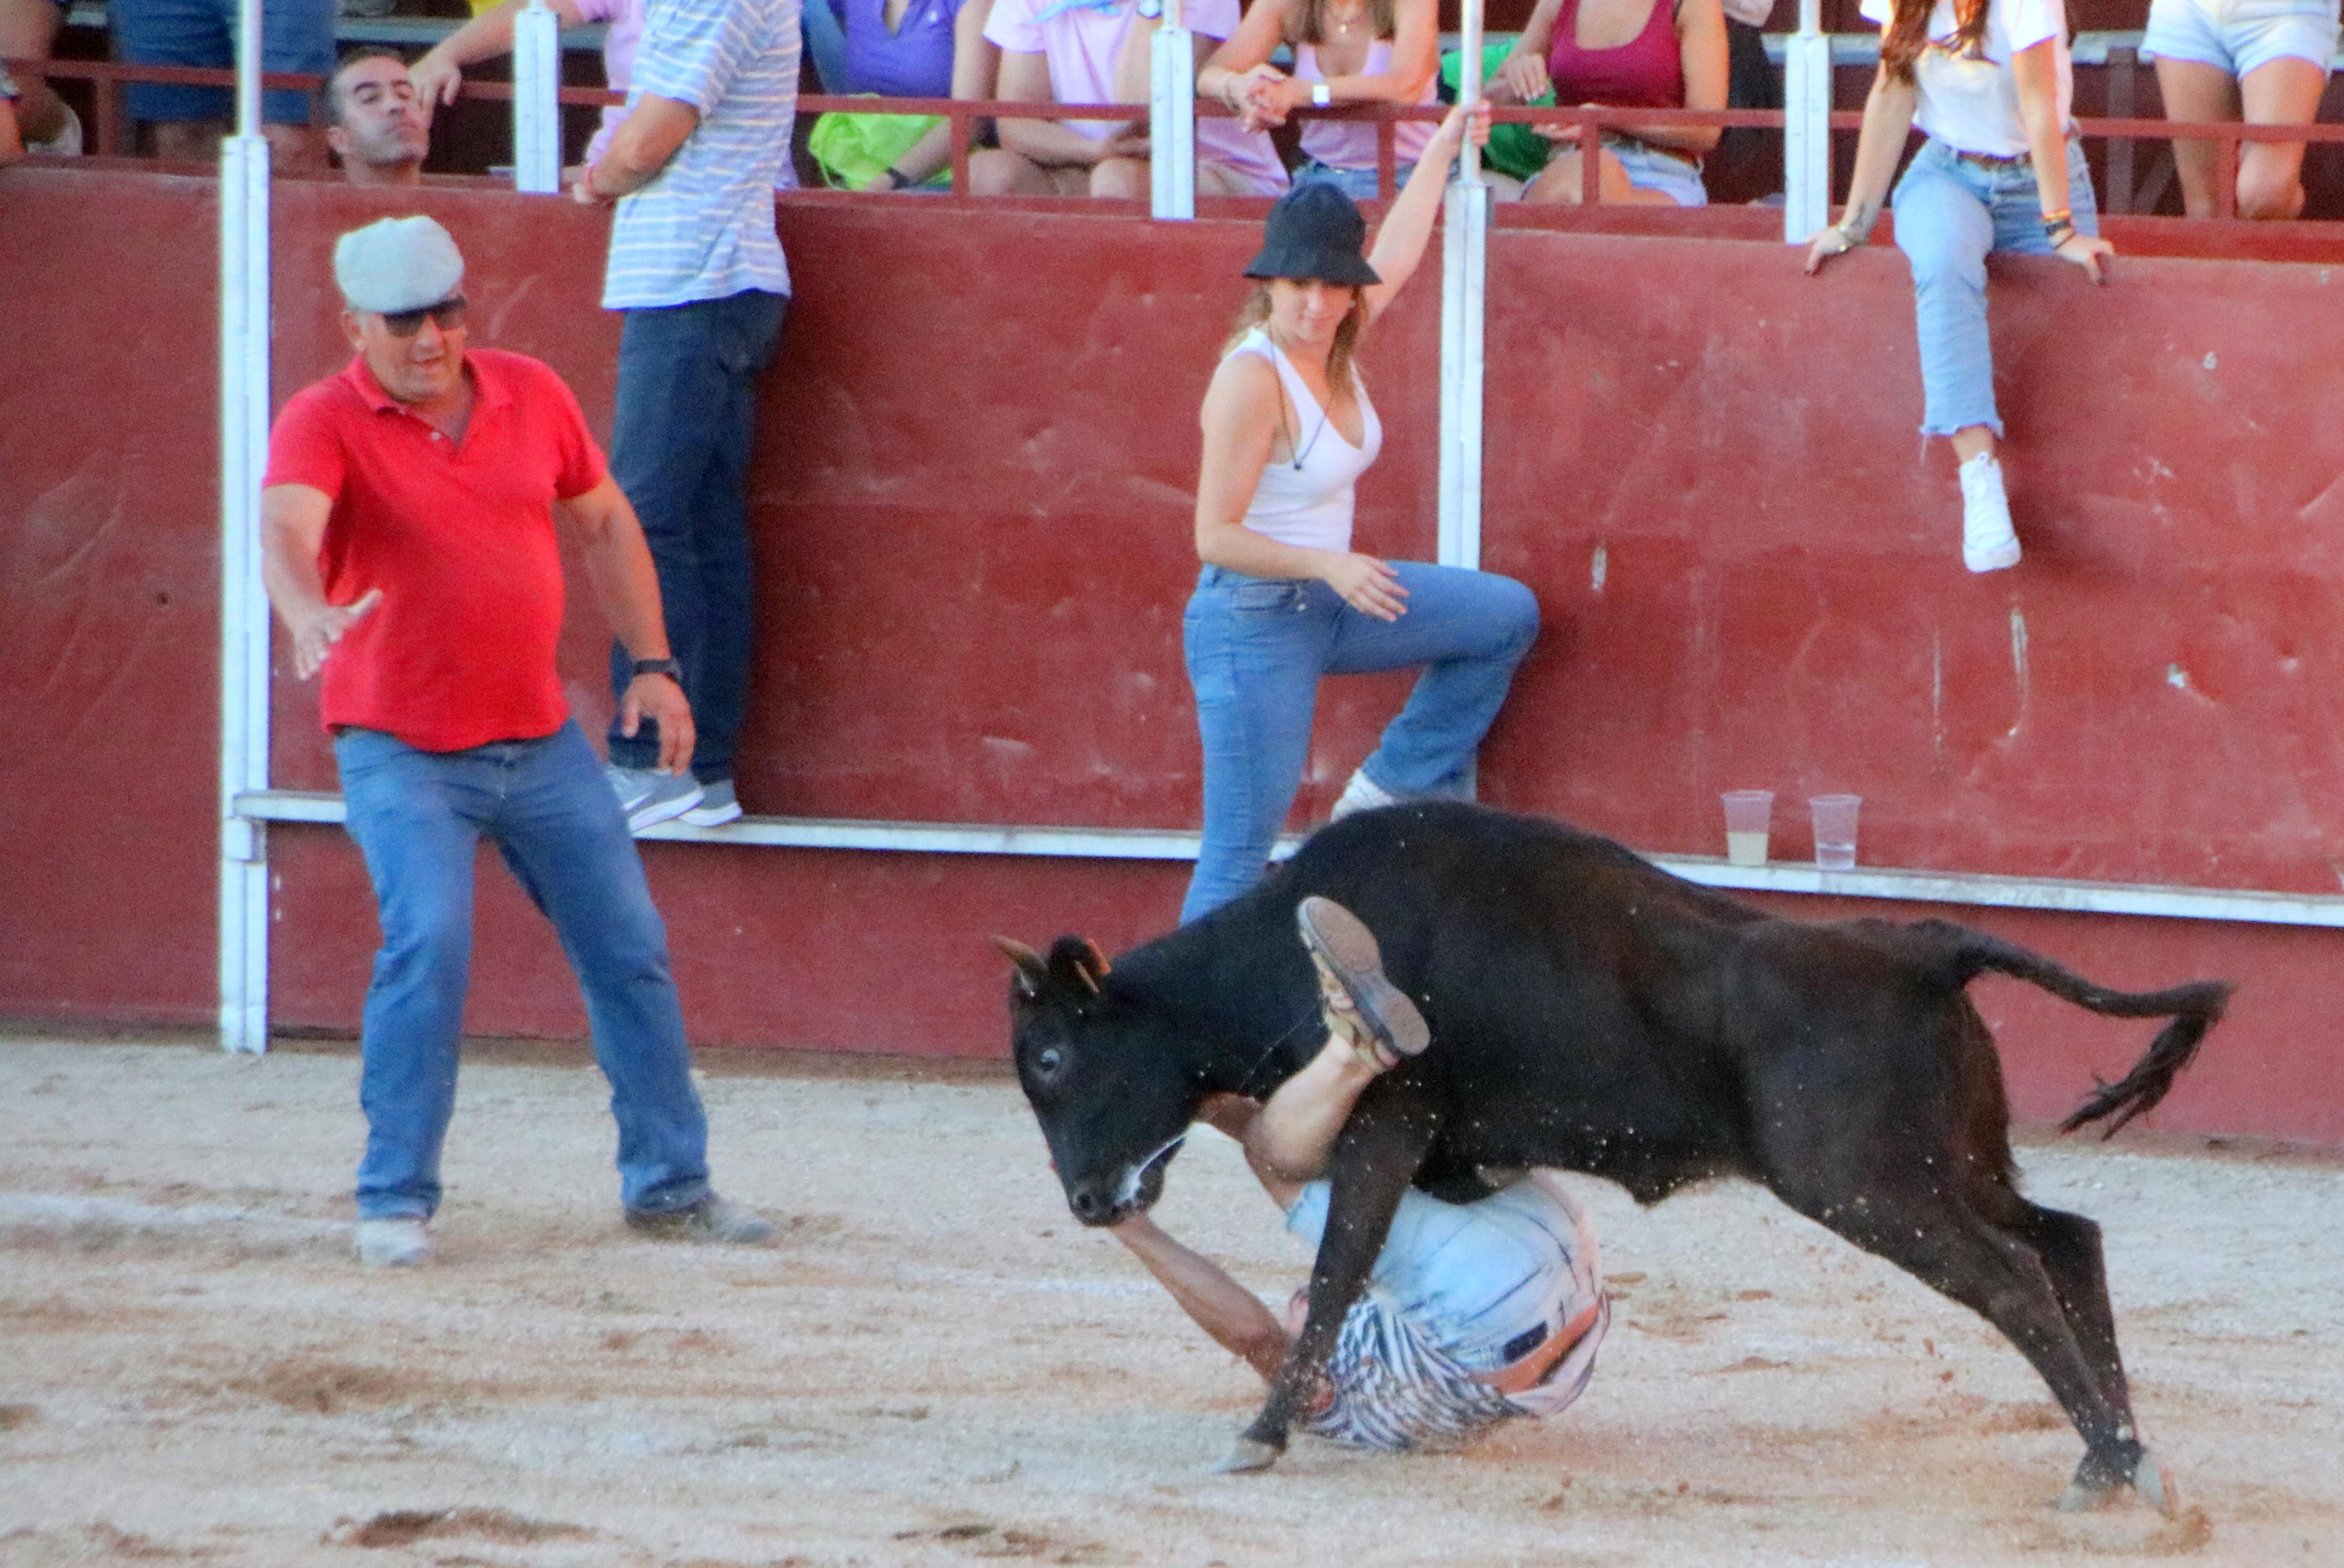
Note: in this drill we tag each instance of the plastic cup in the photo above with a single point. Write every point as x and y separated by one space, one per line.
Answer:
1749 818
1834 817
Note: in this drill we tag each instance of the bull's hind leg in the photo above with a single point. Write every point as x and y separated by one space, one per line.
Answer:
2001 1278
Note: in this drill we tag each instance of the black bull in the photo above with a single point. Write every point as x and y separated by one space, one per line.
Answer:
1591 1012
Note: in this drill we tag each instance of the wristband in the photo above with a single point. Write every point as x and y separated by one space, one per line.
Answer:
896 179
668 667
1321 96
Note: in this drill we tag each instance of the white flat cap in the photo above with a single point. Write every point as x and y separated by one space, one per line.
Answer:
398 264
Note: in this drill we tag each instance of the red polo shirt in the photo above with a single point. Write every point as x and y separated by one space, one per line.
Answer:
460 538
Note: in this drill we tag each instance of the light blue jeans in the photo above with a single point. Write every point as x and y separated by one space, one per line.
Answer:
418 817
1950 214
1358 184
1256 648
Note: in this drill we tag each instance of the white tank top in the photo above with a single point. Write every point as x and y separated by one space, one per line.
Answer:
1304 497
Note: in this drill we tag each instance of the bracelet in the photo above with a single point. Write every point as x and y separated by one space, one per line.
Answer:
2059 234
2052 220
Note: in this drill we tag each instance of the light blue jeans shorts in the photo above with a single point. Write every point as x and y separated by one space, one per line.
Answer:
1674 175
2240 35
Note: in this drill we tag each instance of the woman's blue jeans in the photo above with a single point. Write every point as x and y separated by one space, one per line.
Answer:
680 439
418 817
1256 648
1950 213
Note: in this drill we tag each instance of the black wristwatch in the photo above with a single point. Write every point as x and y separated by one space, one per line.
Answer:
668 667
896 179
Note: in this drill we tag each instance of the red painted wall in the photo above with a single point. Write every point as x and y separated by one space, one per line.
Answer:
972 509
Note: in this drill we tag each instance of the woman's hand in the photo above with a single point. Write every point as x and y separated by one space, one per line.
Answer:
1368 585
2086 251
1450 135
1829 242
1519 79
437 82
1261 95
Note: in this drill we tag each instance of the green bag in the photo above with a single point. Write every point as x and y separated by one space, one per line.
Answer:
854 148
1516 150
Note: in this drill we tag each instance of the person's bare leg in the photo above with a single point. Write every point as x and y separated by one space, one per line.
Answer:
1124 178
1559 184
2196 91
1294 1133
29 31
2281 92
1974 441
998 171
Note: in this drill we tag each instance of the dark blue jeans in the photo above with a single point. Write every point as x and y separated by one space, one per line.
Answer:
419 816
679 448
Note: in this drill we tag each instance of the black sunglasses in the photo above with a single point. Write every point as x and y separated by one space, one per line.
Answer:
447 313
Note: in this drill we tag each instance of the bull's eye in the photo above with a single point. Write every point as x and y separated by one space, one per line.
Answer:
1048 1062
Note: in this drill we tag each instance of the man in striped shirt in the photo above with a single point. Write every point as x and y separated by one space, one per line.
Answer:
696 267
1473 1313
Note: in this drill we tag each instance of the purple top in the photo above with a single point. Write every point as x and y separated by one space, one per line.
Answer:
913 62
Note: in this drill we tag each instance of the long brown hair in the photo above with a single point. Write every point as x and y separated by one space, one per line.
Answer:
1306 20
1255 313
1909 33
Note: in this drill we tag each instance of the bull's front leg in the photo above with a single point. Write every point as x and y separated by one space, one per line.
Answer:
1375 1157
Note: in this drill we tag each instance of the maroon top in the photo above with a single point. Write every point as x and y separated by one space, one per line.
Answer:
1647 72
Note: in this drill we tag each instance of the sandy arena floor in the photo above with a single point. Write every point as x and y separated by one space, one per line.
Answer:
937 1367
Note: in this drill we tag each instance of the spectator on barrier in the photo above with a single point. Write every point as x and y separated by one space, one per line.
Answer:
1285 596
45 122
295 36
408 541
1091 52
1990 84
1368 52
696 269
376 124
2266 64
902 49
1623 54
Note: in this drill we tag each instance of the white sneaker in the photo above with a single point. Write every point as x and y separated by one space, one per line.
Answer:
1362 793
1988 543
648 796
397 1243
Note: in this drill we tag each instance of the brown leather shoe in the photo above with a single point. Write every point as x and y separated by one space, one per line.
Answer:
1346 950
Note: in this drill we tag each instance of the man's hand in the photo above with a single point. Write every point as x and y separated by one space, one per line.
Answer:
315 636
582 191
661 701
1123 144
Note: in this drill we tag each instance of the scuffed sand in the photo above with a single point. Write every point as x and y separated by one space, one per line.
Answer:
937 1366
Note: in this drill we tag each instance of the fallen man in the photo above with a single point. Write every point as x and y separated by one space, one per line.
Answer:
1474 1311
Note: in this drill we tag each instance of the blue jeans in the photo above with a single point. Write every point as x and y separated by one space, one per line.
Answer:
1358 184
687 411
419 816
1256 648
297 36
1950 213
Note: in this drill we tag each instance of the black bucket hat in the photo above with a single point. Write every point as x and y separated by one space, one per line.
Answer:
1315 231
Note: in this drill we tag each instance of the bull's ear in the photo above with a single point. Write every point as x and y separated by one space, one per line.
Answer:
1032 972
1076 961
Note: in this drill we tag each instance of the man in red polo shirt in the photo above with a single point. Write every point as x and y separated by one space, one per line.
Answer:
407 523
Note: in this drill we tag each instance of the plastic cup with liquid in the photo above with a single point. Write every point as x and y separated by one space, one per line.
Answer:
1749 819
1835 816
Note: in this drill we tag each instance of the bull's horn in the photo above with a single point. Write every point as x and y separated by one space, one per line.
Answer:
1031 970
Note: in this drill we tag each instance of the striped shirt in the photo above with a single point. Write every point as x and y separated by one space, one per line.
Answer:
703 229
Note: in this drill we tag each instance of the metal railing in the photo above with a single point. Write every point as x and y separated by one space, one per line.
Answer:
965 115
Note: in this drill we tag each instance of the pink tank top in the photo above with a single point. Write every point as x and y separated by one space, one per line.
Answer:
1647 72
1343 144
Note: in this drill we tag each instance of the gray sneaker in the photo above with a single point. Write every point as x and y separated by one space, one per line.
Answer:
718 805
648 797
396 1243
712 1218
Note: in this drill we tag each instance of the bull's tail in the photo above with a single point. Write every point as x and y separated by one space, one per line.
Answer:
2194 1009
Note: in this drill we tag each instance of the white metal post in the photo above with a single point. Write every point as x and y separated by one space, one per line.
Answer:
536 108
1806 127
244 604
1172 119
1463 266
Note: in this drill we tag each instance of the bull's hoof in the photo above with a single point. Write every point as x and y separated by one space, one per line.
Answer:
1246 1455
2149 1478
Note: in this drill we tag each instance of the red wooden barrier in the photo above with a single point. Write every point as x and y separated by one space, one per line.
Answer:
972 508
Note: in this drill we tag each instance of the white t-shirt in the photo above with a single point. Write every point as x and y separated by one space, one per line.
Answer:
1082 39
1971 106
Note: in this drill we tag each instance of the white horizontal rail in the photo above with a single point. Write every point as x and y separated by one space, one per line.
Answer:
1976 890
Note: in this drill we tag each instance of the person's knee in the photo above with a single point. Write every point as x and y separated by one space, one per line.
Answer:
427 938
1515 608
2267 188
996 171
1122 178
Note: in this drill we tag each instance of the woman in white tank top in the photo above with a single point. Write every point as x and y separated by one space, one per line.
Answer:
1283 598
1345 52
